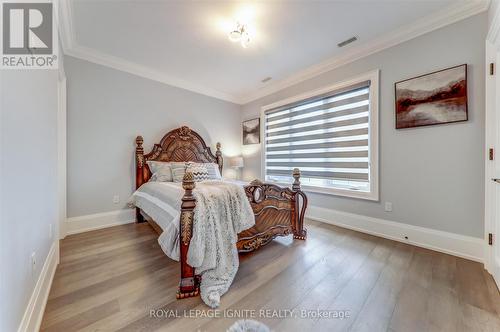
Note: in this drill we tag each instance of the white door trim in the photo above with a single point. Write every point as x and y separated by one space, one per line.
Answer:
61 156
492 136
490 143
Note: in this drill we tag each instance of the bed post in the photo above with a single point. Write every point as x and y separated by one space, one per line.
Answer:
296 177
299 231
139 174
218 155
189 284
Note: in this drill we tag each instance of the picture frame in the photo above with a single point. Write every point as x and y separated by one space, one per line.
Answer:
438 97
251 131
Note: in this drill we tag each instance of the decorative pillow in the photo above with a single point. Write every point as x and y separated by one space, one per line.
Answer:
178 171
161 171
212 169
200 173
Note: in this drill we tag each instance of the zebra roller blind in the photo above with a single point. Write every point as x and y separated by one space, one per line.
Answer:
327 137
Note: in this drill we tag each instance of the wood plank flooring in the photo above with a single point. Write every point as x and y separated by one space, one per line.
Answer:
111 279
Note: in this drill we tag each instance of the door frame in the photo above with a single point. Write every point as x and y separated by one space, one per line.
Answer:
61 155
492 140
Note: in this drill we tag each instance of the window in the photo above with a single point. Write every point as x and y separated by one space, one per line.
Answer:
331 135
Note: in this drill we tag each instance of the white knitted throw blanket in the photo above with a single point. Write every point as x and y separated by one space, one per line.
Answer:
222 211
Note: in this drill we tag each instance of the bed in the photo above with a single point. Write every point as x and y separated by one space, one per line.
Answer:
279 211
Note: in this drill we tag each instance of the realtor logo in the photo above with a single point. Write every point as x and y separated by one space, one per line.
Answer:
28 35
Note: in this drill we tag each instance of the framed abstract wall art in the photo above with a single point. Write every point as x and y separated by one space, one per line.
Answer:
251 131
435 98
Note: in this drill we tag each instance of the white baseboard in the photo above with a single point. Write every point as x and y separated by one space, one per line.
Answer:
92 222
34 312
496 271
450 243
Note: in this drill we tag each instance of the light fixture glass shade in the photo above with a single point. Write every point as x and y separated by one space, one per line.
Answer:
245 40
236 162
239 34
234 36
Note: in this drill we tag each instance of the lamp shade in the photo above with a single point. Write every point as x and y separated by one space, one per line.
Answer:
236 162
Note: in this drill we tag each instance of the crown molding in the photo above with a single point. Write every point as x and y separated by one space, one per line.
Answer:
65 21
439 19
72 48
449 15
120 64
494 28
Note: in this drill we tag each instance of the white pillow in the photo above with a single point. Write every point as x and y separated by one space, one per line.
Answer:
178 171
161 171
212 169
200 173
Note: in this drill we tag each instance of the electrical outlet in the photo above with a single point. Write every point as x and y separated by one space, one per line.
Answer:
388 206
50 231
33 263
116 199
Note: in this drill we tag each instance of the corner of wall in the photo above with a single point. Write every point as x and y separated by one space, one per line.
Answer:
449 243
96 221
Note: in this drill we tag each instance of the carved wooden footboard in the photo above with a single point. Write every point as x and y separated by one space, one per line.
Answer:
279 211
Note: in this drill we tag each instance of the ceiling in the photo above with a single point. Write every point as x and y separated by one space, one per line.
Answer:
185 43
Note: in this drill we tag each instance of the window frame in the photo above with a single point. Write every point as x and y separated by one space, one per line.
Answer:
373 137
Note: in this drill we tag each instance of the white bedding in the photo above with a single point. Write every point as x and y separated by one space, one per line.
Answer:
222 211
161 201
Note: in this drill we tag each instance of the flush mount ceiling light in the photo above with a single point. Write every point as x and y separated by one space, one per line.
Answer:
240 34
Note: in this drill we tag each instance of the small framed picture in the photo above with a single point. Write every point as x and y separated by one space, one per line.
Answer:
435 98
251 131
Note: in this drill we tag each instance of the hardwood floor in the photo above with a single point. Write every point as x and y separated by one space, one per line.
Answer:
111 279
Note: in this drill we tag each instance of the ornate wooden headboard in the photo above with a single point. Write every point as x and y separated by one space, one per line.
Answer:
182 145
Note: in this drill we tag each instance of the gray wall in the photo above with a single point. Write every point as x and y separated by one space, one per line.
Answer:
433 175
29 184
107 109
